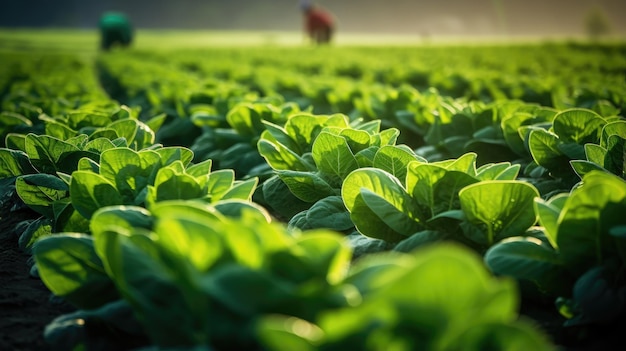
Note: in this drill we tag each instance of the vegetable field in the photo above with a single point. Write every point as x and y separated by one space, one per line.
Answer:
286 197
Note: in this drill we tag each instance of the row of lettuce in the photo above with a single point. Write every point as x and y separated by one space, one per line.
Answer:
279 228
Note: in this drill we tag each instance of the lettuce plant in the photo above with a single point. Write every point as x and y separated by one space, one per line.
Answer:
580 259
457 127
552 149
450 199
608 155
41 164
38 168
127 177
312 155
193 275
435 298
234 145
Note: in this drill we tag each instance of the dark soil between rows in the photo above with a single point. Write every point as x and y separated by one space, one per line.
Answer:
26 306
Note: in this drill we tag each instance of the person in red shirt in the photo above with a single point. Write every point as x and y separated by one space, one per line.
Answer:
319 23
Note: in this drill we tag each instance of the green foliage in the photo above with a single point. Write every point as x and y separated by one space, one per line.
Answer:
445 200
213 294
127 177
411 145
578 258
608 155
465 308
313 155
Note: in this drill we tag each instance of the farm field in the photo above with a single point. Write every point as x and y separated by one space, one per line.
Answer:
241 191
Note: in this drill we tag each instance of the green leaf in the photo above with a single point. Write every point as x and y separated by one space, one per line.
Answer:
588 215
278 197
326 255
70 268
137 133
171 185
528 258
195 210
16 141
465 164
615 159
99 145
369 190
357 139
39 228
419 239
370 224
279 157
200 170
86 164
280 135
130 171
617 128
156 122
501 208
304 129
395 218
172 154
523 335
157 285
388 137
247 118
595 153
498 171
510 127
90 192
123 218
193 239
45 151
331 213
40 191
14 163
9 121
578 126
219 183
238 208
435 189
59 130
394 160
582 167
332 155
82 119
244 291
242 190
544 148
572 150
548 213
365 157
67 219
465 288
307 186
286 333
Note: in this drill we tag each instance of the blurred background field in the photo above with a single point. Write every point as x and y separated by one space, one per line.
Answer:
72 25
86 40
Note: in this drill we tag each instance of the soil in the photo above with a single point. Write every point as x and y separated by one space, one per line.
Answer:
26 304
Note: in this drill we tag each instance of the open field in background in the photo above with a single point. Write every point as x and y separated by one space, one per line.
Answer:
87 41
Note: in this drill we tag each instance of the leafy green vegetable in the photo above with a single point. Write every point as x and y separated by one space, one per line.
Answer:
397 312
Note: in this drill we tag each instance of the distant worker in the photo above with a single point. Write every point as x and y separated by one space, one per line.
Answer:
115 29
319 23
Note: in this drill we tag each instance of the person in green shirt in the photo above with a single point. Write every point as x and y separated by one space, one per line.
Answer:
115 29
